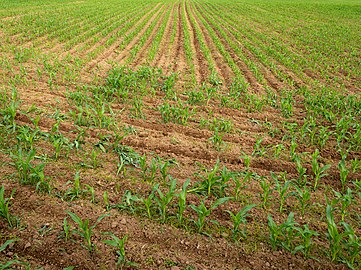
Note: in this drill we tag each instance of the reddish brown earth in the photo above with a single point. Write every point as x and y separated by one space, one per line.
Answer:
151 244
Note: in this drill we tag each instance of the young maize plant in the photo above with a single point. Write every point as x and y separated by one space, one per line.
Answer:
4 208
83 229
238 219
119 244
203 212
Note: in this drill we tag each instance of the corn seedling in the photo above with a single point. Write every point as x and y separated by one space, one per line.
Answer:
136 110
182 197
106 200
334 236
94 158
22 163
66 229
238 219
163 168
179 113
42 182
76 190
293 149
26 137
148 202
246 160
91 191
303 196
6 244
153 167
355 165
302 176
122 169
143 165
352 246
305 234
241 181
128 202
164 199
4 207
226 176
217 140
8 264
282 235
282 190
222 125
84 229
265 196
318 171
343 172
277 150
9 111
258 149
127 155
59 141
211 183
345 200
119 244
203 212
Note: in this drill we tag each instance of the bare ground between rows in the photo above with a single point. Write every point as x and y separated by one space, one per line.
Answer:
151 245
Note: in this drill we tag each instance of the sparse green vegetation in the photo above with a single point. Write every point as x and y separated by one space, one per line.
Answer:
202 130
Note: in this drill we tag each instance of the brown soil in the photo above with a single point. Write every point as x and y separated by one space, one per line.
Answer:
153 244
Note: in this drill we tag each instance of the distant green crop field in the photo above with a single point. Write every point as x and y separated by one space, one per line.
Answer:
185 134
315 42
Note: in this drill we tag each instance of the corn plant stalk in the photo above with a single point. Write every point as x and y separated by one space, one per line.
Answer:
182 197
163 199
334 237
84 229
119 244
203 212
4 206
238 219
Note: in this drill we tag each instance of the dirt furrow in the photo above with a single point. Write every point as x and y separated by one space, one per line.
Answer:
53 45
126 51
180 62
201 66
140 58
109 53
248 74
163 59
102 41
221 65
270 76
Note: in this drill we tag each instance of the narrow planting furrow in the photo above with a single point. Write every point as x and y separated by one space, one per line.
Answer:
140 58
246 60
55 35
30 36
300 58
179 52
131 47
87 29
201 66
159 37
219 64
112 50
255 82
260 51
105 37
98 33
191 75
163 59
223 51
